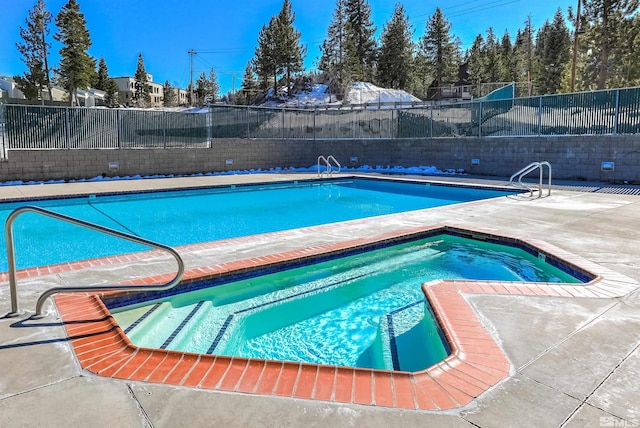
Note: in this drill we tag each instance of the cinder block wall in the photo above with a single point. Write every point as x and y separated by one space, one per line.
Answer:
576 157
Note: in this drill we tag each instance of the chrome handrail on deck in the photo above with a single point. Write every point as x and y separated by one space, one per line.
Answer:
526 170
43 297
327 162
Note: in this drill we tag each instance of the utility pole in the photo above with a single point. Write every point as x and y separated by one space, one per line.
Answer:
529 54
191 54
575 49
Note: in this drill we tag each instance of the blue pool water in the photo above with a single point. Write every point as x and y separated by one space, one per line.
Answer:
364 310
190 216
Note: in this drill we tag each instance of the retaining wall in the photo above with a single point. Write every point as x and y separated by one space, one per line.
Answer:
572 157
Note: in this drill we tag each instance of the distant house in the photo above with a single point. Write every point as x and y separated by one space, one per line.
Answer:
126 88
9 86
452 91
89 97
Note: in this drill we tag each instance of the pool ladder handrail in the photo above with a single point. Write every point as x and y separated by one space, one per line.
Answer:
327 161
528 169
43 297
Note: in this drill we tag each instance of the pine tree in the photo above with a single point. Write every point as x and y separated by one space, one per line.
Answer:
169 98
476 65
264 61
202 87
628 62
111 98
396 52
506 57
440 52
608 21
493 62
141 96
77 67
523 55
35 52
213 87
333 60
360 35
552 54
249 86
289 53
103 75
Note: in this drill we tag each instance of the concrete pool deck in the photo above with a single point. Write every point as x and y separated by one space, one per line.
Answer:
574 360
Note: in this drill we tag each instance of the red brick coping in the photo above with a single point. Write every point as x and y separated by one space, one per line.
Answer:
476 364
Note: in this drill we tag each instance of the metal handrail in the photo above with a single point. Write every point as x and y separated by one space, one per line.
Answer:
331 158
327 162
528 169
43 297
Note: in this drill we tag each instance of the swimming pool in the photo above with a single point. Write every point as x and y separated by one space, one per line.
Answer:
200 215
363 310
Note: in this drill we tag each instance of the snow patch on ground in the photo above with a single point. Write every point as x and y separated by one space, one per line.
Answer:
360 94
368 93
415 170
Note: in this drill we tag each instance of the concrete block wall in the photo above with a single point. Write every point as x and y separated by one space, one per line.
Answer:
575 157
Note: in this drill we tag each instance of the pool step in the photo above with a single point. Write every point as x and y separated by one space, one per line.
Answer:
410 339
162 323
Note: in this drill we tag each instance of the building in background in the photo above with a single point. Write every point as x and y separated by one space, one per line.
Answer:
126 88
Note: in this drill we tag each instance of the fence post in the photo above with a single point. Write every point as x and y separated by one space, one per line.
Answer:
391 127
283 121
315 109
480 120
540 116
615 119
3 127
67 127
118 127
248 122
209 117
431 122
164 129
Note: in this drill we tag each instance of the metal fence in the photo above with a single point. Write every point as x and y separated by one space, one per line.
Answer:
599 112
37 127
3 139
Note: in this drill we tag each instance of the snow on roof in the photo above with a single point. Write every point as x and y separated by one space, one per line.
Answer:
361 93
368 93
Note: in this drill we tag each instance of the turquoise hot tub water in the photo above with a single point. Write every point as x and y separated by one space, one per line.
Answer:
191 216
363 310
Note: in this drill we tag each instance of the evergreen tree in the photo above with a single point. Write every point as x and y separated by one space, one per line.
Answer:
396 52
289 52
249 86
334 61
360 33
264 61
506 57
552 54
169 96
627 71
105 83
103 75
476 65
440 52
141 96
608 21
213 87
35 52
493 61
111 98
202 88
77 67
523 55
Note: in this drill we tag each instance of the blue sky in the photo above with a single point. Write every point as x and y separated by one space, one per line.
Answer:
224 33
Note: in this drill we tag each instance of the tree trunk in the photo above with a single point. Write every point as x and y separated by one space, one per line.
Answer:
46 70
